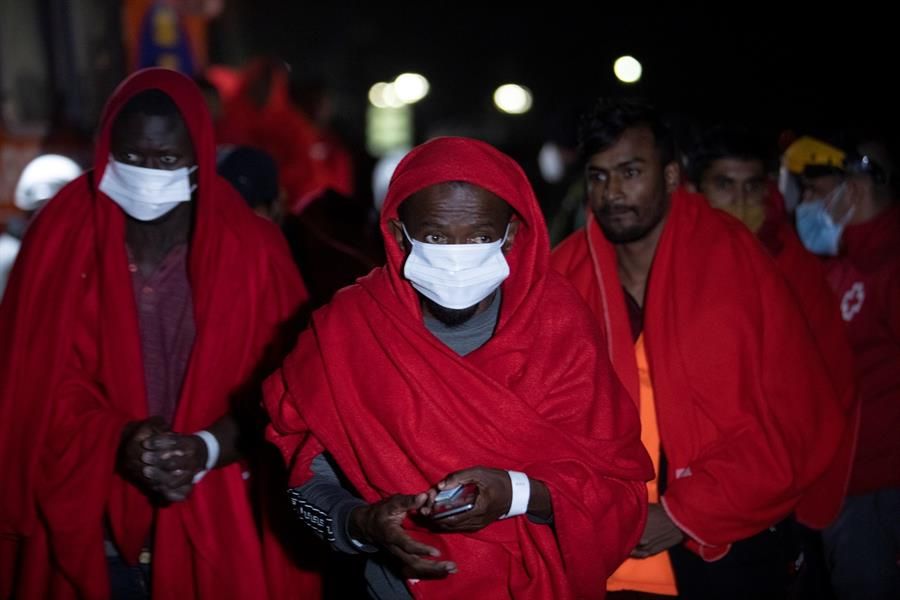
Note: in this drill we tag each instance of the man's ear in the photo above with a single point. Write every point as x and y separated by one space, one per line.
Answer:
672 174
511 234
397 231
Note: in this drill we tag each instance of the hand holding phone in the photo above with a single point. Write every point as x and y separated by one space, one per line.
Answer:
454 501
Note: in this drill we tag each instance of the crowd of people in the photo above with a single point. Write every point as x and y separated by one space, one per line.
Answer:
221 377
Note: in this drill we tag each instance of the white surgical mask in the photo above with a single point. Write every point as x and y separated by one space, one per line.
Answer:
146 194
456 276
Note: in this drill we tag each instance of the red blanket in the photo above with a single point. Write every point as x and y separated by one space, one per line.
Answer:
748 417
399 410
805 276
71 376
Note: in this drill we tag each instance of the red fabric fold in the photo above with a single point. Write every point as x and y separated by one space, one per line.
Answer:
399 410
806 277
748 416
72 377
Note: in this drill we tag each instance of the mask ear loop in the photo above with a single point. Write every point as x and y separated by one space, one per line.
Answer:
833 198
406 233
505 234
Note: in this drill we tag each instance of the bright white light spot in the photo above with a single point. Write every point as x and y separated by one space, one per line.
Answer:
551 163
513 99
627 69
411 87
376 95
384 95
391 97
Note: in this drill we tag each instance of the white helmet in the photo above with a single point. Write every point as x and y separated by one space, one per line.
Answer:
42 178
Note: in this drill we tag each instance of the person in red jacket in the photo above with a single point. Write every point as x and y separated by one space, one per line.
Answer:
466 359
140 314
728 167
736 402
850 216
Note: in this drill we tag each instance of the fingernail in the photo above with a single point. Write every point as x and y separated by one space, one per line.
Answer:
451 568
435 552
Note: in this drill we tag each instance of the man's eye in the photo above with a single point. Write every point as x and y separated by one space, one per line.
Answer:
631 172
434 238
755 186
597 176
168 159
132 157
482 239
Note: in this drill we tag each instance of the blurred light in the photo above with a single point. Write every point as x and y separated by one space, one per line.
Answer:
376 95
384 95
411 87
513 99
382 173
388 129
551 163
627 69
391 97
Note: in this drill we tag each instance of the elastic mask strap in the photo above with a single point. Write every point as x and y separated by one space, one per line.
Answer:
406 234
834 197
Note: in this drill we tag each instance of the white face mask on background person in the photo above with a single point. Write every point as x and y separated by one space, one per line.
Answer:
456 276
146 194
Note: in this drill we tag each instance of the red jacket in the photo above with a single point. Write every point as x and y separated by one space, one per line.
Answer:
399 410
747 415
62 412
866 281
806 277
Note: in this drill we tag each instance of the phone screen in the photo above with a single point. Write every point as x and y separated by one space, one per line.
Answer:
454 501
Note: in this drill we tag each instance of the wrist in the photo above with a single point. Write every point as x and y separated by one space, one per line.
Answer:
356 524
212 449
520 496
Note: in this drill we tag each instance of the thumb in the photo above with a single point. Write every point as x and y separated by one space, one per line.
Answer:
458 478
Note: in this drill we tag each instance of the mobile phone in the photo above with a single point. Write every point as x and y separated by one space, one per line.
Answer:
454 501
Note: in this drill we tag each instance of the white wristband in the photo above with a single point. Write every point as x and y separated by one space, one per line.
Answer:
521 494
212 448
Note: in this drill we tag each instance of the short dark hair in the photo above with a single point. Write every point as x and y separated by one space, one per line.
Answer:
610 118
725 141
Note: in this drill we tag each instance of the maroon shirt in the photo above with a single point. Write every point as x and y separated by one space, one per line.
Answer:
166 320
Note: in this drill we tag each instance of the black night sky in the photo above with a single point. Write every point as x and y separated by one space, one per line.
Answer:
821 71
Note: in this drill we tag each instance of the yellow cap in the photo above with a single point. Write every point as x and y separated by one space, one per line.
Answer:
807 152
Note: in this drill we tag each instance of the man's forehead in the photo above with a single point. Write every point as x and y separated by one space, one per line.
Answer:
737 168
635 143
168 131
453 196
140 121
820 180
